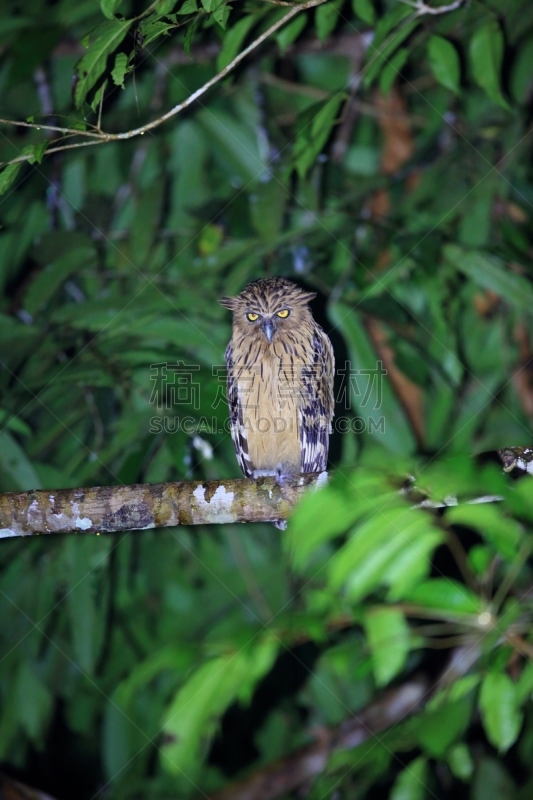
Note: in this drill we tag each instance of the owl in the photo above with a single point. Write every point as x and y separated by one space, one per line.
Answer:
280 381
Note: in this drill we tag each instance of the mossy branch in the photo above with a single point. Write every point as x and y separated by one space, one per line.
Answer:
107 509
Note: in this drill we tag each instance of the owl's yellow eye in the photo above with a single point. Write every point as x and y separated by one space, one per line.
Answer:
284 313
252 317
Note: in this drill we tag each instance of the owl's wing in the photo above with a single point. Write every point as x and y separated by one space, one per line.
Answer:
238 429
317 408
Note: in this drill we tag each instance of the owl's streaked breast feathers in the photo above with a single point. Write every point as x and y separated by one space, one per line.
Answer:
280 380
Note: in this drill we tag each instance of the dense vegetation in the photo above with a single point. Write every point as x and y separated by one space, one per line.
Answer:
372 151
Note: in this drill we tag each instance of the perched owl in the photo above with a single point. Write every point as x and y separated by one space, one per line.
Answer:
280 381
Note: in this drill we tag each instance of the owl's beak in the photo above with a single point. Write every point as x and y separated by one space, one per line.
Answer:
268 329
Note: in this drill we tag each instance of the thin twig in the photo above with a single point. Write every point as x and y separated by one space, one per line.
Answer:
422 8
102 137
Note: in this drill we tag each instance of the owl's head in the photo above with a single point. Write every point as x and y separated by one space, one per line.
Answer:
270 306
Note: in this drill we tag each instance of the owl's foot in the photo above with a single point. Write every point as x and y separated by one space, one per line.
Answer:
280 473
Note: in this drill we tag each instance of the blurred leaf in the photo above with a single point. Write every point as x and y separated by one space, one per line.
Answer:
314 134
490 273
438 728
8 175
502 718
267 207
234 39
290 32
33 702
103 41
444 62
447 596
374 546
109 7
16 470
120 69
486 53
194 712
392 70
364 374
324 514
86 623
522 73
411 782
489 521
48 280
389 640
382 49
326 18
492 780
460 762
364 10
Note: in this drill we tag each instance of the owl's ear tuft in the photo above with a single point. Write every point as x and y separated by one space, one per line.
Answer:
228 302
306 297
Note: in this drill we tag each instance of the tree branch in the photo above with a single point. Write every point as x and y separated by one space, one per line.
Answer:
288 773
422 8
100 137
109 509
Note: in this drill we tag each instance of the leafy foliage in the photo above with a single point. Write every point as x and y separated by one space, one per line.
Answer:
381 157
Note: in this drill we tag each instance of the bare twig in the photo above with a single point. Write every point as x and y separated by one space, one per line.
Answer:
100 137
422 8
288 773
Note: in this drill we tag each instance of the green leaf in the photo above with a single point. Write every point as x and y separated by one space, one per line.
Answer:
120 69
17 473
502 719
97 97
392 70
234 38
37 152
221 15
362 563
87 557
366 375
504 533
109 7
491 780
388 638
446 595
189 34
33 701
188 7
267 208
314 134
522 73
460 762
444 62
194 712
8 175
437 728
163 7
486 53
364 10
491 273
48 280
411 566
289 33
104 40
13 423
379 56
326 513
326 18
411 782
